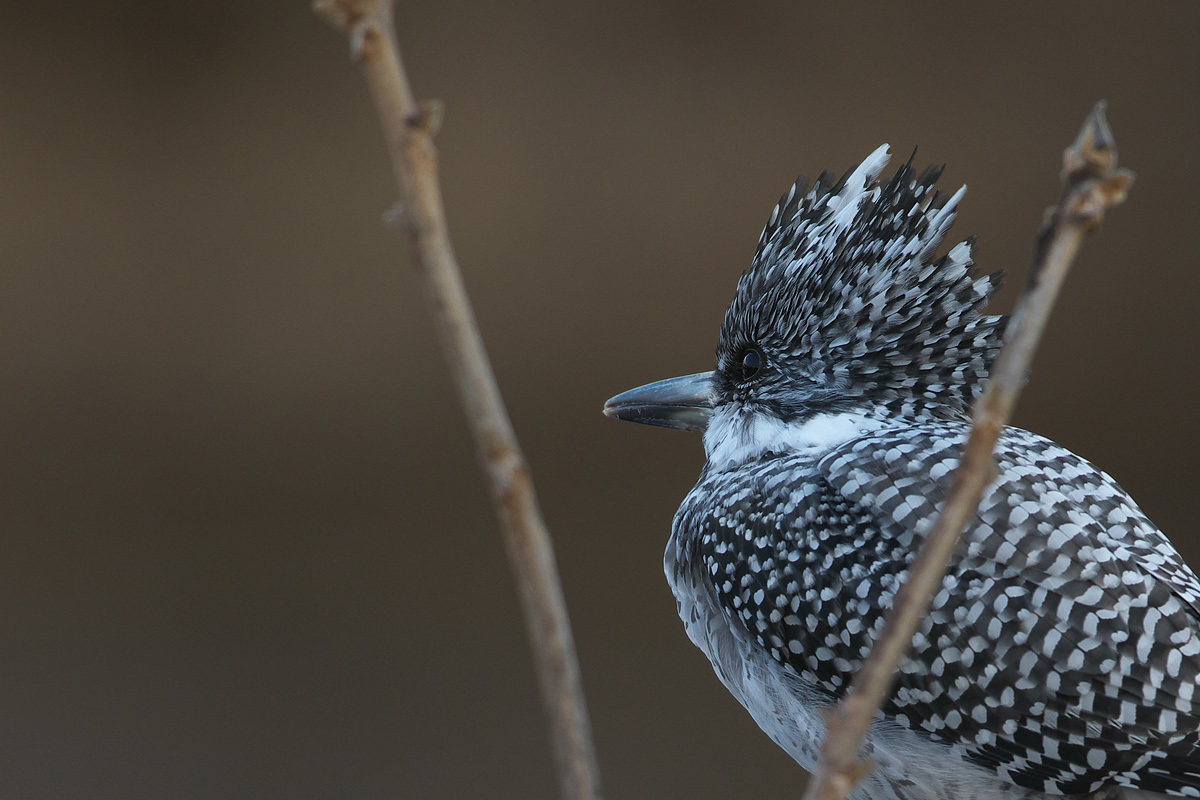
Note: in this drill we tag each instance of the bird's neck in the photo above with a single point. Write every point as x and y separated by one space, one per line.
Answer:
738 434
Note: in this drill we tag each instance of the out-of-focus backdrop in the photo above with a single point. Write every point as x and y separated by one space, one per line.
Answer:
246 552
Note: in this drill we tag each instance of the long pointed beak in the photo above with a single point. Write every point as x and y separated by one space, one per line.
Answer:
680 403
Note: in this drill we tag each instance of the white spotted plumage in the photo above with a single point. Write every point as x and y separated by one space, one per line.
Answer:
1061 654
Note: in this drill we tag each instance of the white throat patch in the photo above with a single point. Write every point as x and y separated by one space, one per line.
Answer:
735 435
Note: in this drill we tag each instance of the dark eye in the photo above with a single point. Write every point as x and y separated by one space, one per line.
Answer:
752 363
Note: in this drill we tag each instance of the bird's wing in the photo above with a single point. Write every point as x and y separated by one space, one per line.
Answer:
1063 649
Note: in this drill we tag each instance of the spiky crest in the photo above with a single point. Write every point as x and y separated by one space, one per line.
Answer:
844 288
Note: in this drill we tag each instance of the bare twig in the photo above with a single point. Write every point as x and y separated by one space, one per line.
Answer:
409 128
1093 184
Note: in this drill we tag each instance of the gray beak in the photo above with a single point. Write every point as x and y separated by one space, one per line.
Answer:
680 403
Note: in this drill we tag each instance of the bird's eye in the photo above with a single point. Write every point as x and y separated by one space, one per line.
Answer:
752 363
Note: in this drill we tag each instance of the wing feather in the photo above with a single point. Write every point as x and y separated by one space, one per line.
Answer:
1063 649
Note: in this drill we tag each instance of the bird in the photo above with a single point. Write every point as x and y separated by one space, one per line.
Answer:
1060 655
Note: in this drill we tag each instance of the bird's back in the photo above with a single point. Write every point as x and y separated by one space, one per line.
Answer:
1061 654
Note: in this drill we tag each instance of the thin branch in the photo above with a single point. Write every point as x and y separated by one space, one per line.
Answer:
409 128
1093 184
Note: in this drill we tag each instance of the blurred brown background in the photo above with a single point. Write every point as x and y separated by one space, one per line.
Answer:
246 551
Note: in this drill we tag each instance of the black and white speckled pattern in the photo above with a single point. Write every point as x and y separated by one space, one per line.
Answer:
844 294
1064 647
1062 654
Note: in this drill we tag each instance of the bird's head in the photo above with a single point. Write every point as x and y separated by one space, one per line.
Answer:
843 318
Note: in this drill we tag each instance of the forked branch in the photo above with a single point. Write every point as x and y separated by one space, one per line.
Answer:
409 128
1092 184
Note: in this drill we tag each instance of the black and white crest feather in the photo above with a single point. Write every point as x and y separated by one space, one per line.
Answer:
844 281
